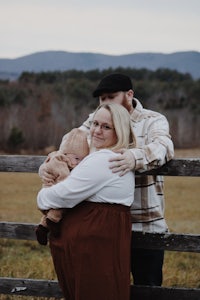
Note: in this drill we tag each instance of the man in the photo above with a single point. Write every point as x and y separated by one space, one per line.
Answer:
154 148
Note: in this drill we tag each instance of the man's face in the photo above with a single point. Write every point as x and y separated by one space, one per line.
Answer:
123 98
116 97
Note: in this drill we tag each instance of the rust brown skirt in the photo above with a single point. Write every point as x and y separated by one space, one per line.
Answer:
92 254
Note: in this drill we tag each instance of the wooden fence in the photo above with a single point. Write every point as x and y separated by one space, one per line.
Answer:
170 242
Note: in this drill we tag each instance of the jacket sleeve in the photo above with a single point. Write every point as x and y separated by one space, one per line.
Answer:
158 147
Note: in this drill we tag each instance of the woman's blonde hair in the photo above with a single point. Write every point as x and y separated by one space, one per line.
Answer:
122 125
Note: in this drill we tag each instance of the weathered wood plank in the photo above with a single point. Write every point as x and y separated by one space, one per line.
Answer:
28 163
19 231
45 288
29 287
168 241
178 167
20 163
164 293
171 242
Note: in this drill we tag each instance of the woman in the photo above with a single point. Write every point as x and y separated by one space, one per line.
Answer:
92 254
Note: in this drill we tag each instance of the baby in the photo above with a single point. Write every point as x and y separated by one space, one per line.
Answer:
59 163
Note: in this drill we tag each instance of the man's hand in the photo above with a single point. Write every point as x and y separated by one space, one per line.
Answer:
123 163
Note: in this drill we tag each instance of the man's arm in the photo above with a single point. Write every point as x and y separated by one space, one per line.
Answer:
154 152
158 149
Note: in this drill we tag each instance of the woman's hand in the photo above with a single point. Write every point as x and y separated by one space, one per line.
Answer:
123 163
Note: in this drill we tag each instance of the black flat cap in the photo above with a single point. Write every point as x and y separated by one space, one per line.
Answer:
112 83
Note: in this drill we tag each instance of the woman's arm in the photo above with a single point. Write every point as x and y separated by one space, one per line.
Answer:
84 181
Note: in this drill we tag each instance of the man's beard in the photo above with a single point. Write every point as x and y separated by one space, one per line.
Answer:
127 105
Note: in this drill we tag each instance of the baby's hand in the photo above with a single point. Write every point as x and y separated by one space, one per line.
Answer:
48 179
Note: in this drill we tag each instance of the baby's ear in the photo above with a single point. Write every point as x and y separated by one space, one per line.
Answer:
64 157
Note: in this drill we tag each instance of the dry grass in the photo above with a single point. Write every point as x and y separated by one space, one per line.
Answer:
25 259
22 259
187 153
182 215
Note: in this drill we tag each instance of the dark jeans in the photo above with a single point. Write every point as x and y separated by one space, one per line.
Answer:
146 266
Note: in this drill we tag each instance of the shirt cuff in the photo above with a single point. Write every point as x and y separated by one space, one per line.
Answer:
139 158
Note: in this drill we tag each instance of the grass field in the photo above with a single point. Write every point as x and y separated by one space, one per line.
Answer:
27 259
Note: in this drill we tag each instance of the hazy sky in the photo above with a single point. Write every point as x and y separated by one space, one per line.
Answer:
101 26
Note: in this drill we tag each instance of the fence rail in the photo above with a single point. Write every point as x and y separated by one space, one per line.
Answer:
30 164
169 241
166 241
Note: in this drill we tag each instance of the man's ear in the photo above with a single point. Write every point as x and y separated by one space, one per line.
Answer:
130 94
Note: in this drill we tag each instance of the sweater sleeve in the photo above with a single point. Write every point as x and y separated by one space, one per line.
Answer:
84 181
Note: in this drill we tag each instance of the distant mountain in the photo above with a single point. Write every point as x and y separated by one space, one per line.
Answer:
183 62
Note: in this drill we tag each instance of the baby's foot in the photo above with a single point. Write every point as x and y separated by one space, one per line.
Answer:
42 234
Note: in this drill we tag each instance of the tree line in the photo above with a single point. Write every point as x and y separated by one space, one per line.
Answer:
37 109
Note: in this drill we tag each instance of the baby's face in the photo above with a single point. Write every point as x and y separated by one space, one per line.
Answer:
74 159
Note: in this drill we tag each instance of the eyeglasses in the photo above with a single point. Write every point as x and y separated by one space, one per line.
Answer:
105 127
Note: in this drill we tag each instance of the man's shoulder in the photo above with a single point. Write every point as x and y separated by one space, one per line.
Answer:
140 113
151 113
